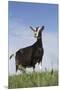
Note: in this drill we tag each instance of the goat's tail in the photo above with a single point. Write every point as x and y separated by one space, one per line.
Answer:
11 56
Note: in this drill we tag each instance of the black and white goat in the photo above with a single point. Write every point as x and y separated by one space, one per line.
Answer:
29 56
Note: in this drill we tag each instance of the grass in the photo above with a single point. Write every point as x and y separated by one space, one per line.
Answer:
33 80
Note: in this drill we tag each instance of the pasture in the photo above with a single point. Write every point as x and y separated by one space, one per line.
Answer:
35 79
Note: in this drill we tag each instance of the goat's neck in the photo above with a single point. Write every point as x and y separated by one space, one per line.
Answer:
39 43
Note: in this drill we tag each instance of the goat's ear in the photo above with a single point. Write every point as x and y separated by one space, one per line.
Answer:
32 29
42 28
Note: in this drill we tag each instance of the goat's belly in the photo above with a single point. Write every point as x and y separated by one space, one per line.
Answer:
27 65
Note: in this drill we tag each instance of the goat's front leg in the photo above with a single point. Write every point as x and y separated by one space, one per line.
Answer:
16 68
40 65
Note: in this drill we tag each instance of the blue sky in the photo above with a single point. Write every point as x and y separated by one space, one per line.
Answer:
21 16
35 14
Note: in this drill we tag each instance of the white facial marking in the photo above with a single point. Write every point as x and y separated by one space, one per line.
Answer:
36 33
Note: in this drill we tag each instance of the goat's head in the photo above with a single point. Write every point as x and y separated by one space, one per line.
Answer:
37 31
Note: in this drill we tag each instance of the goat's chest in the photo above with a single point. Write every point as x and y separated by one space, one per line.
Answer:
38 52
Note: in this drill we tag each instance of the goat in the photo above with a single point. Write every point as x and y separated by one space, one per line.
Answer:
29 56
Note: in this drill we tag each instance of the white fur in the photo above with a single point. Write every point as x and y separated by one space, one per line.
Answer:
36 33
40 67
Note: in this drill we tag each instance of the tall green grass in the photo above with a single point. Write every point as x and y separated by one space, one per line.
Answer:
33 80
